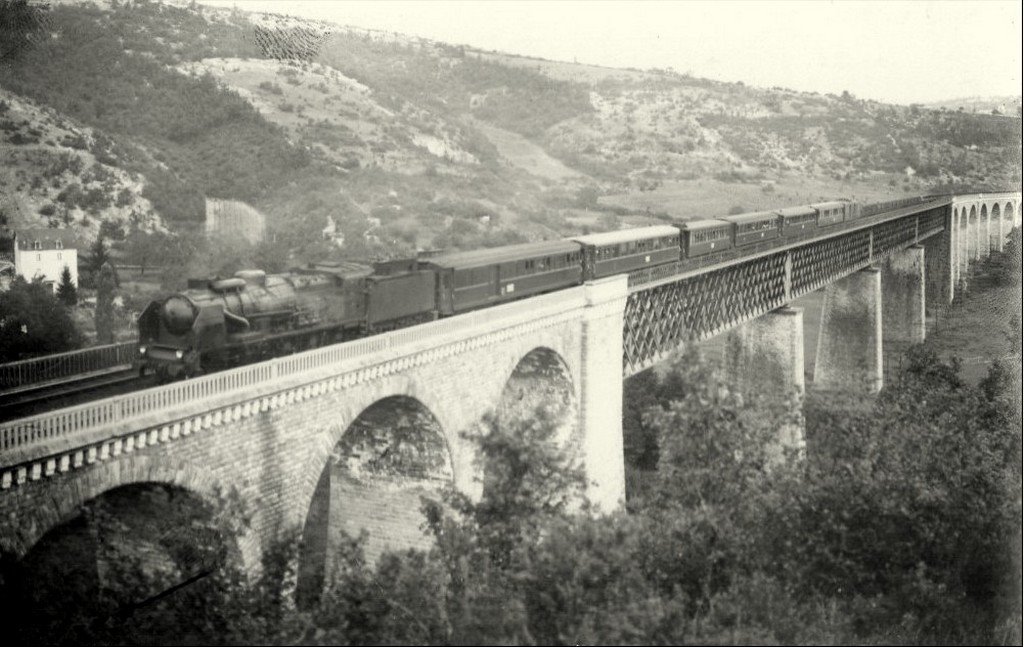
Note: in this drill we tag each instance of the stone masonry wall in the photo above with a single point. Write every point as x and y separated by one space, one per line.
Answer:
273 449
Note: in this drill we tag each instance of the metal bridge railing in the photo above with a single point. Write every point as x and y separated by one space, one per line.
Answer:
26 372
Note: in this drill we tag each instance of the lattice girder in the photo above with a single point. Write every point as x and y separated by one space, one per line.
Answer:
659 319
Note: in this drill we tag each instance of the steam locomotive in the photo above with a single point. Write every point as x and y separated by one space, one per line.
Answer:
252 316
225 322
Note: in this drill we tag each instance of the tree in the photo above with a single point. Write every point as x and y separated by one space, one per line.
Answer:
20 23
99 255
66 291
32 322
105 291
148 250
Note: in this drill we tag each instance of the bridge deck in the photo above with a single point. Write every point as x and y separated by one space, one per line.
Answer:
766 277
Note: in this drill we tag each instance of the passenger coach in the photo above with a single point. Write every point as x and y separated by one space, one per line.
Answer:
619 252
705 236
796 221
754 227
833 213
483 277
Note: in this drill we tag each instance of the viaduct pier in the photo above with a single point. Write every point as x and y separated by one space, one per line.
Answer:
294 436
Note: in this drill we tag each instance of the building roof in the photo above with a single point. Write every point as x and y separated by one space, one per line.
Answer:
47 237
627 235
510 253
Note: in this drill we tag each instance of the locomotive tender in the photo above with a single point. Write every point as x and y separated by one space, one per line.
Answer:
253 316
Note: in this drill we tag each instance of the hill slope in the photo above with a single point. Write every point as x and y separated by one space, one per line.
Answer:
397 143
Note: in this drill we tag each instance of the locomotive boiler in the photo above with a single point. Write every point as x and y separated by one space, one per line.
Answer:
253 316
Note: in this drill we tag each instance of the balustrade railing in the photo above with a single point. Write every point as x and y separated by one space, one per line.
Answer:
256 378
15 375
46 427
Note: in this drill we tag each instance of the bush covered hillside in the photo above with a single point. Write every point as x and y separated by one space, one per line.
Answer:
362 144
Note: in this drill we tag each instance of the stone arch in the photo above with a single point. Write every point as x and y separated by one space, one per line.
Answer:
1008 213
542 378
539 385
417 444
962 241
64 500
380 464
995 227
984 226
127 544
972 233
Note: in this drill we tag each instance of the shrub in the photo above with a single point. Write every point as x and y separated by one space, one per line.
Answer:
21 139
272 88
34 322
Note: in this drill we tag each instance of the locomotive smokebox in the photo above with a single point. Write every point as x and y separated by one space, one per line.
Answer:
178 315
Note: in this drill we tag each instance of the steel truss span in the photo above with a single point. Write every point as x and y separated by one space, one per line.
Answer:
697 305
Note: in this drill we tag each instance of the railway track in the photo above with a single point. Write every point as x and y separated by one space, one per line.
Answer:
40 398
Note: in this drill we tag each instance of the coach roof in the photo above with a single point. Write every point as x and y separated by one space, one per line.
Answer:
752 217
835 204
705 223
511 253
627 235
795 211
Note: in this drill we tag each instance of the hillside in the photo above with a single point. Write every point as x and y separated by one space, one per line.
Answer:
396 143
56 171
1008 106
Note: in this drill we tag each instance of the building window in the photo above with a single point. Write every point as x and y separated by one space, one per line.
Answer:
60 245
37 245
39 257
60 256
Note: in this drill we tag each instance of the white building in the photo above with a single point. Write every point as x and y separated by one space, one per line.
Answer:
38 253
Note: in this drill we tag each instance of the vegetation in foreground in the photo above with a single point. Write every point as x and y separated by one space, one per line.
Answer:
897 527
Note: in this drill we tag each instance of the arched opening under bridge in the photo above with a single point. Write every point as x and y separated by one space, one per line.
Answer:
390 457
972 234
105 573
538 406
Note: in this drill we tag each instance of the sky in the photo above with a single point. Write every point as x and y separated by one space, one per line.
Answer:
901 52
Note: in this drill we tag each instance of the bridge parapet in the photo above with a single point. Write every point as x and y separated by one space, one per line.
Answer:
201 402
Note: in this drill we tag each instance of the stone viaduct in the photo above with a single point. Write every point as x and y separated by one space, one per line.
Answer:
348 436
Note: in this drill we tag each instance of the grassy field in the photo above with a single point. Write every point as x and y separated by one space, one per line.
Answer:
977 328
709 198
524 154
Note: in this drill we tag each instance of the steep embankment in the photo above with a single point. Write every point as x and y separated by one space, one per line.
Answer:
398 143
56 172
